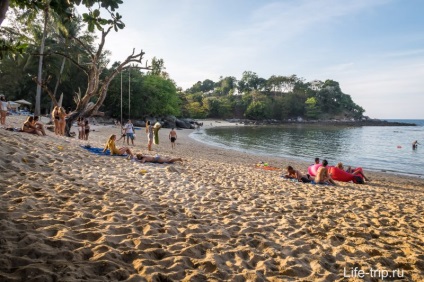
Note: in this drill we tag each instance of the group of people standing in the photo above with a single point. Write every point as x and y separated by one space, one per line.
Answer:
152 131
83 128
59 120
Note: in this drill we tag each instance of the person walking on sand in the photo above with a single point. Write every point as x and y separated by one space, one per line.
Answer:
323 177
415 144
149 131
110 144
129 131
4 106
173 137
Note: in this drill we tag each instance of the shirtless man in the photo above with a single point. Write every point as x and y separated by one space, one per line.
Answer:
173 137
322 176
158 159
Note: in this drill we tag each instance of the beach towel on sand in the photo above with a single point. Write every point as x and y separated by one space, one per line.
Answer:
99 151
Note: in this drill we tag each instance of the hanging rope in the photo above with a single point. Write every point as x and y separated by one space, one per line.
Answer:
121 98
129 93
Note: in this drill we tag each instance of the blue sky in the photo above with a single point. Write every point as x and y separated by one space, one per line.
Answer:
373 48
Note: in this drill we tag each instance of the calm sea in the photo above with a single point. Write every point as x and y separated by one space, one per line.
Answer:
378 148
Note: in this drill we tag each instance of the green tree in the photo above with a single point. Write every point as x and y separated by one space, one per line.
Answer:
256 110
160 96
312 111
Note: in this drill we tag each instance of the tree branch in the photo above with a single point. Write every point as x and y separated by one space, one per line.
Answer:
43 85
72 60
84 47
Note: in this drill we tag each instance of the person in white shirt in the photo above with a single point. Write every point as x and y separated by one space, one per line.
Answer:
129 131
3 109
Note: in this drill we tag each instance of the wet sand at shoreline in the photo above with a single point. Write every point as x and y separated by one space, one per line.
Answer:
69 215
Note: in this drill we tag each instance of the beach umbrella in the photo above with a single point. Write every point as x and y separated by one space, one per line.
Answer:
13 105
23 102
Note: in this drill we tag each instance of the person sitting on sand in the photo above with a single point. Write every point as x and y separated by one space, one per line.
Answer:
295 174
38 125
157 159
115 151
323 177
29 127
354 171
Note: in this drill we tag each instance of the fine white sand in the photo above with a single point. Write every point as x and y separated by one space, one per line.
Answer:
69 215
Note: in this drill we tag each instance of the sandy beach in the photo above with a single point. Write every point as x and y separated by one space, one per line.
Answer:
69 215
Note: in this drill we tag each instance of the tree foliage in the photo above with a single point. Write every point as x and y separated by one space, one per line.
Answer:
278 97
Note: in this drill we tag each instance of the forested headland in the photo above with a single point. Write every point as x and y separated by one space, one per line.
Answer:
50 56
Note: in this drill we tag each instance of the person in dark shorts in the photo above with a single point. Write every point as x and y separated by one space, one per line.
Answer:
173 137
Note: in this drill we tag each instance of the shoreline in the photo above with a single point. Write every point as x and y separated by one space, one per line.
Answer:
69 215
285 159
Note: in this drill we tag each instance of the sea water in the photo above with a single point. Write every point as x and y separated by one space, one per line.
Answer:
377 148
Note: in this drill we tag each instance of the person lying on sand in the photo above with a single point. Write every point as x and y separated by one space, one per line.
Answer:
115 151
157 159
354 171
323 177
295 174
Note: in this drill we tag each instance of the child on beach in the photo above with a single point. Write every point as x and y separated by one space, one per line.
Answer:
173 137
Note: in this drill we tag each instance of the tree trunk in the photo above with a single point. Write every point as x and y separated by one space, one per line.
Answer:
4 5
57 83
37 110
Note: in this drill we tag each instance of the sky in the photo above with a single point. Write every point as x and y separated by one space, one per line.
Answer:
374 49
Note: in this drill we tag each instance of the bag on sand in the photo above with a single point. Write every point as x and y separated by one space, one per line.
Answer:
358 180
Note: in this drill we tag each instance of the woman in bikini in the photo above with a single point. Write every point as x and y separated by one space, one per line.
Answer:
29 127
81 129
149 131
56 119
115 151
86 129
157 159
62 120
